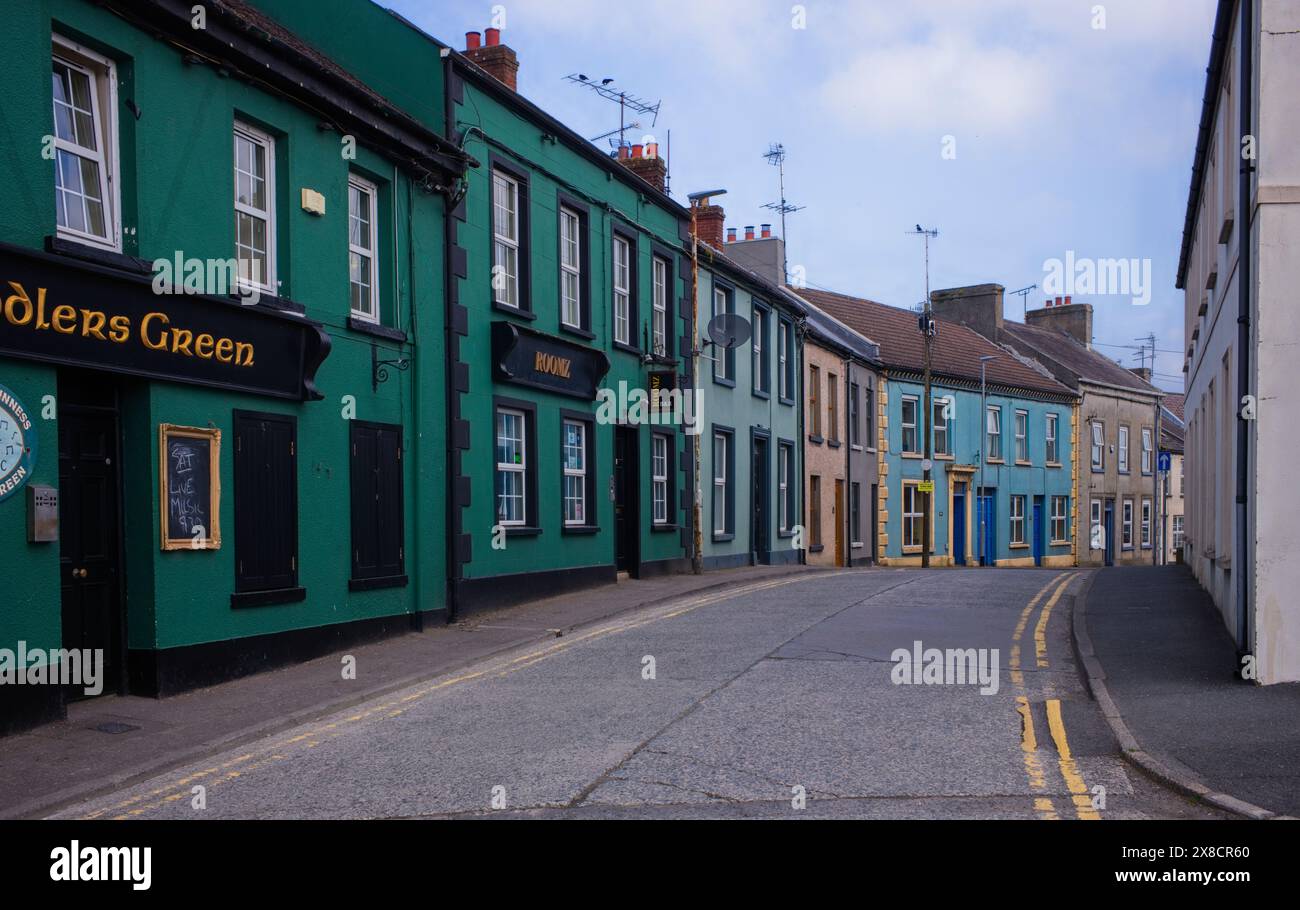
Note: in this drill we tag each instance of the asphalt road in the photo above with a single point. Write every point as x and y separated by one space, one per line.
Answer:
776 699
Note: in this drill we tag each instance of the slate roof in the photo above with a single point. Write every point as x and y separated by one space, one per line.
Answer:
827 329
956 350
1075 358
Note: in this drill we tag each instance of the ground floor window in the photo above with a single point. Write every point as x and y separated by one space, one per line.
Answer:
1146 524
378 531
1098 541
855 513
1178 532
723 502
1126 537
1060 529
576 469
1017 519
661 472
912 515
815 510
785 489
512 467
266 501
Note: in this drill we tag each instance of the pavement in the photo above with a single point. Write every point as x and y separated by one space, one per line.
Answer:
80 757
778 697
1160 662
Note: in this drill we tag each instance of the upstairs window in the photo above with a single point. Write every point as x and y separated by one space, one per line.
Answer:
1049 440
760 351
833 407
814 401
942 439
994 433
622 291
85 146
255 208
571 268
1123 450
507 240
1022 437
363 237
1146 450
659 329
911 443
1098 446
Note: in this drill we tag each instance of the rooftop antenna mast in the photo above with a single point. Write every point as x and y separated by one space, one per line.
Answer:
1024 299
606 89
775 156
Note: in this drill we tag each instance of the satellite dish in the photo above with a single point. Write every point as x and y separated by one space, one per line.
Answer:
727 330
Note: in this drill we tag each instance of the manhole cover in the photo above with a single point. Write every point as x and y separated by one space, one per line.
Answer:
114 726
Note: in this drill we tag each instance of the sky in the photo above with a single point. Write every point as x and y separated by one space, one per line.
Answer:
1024 131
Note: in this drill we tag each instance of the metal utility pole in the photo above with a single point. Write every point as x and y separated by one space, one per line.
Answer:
984 435
928 330
697 510
775 156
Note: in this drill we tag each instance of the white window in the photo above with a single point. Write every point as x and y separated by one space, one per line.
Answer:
942 443
1126 539
622 291
1050 441
722 358
783 487
1017 519
1178 532
575 473
505 239
783 358
512 468
720 443
1060 522
255 208
911 439
85 146
912 516
1146 450
1123 450
570 268
659 478
1098 534
1098 446
1146 524
660 327
1022 436
363 234
760 350
994 433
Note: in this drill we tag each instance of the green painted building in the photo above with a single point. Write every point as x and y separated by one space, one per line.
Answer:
223 345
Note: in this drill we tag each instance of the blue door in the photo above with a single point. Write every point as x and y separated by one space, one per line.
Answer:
987 532
959 524
1038 530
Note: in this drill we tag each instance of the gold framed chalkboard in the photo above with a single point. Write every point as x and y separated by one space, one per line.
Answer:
189 487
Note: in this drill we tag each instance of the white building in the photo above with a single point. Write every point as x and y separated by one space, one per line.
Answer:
1240 256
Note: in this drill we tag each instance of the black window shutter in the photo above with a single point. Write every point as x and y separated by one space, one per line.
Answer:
378 549
266 502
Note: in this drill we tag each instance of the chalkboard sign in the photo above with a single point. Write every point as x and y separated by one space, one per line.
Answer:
189 487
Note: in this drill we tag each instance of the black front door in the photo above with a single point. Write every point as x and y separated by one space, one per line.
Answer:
759 498
625 498
90 521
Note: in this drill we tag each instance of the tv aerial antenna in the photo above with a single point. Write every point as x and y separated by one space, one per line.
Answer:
775 156
1023 294
606 89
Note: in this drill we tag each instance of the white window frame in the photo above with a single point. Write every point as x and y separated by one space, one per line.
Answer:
939 423
1145 527
659 305
1049 439
580 473
783 339
622 290
267 143
913 518
783 486
1123 449
1146 450
1017 519
1095 521
993 432
371 191
1022 437
1062 517
103 94
570 267
1098 461
721 445
503 244
1126 524
1178 531
659 477
904 426
759 379
521 469
721 368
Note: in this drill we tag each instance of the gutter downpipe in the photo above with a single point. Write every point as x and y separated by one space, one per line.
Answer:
1245 229
697 533
453 568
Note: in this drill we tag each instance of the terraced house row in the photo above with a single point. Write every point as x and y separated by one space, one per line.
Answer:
304 345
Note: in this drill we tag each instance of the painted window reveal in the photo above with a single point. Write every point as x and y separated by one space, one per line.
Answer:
721 483
378 548
622 291
1123 449
1146 450
1017 520
255 207
575 473
1146 524
938 420
1060 525
1049 441
911 438
1098 446
85 145
512 467
659 329
1022 437
760 366
912 516
363 245
785 488
1126 538
571 268
506 240
659 472
994 433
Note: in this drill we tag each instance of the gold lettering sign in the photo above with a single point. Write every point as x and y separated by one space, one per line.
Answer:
553 364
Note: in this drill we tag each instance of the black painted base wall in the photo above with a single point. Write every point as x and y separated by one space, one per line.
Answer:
731 561
492 592
662 567
170 671
25 706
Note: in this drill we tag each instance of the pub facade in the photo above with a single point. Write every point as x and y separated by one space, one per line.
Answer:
223 398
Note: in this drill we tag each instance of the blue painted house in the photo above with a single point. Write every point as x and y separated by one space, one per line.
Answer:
1004 468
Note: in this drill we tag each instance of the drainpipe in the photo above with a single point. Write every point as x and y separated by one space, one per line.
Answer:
453 525
1241 559
697 532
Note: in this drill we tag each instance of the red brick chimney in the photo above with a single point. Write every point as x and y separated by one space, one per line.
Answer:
709 223
644 161
498 60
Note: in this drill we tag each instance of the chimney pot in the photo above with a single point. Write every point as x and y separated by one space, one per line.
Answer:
749 232
473 40
731 235
493 36
652 150
637 151
767 231
1068 299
